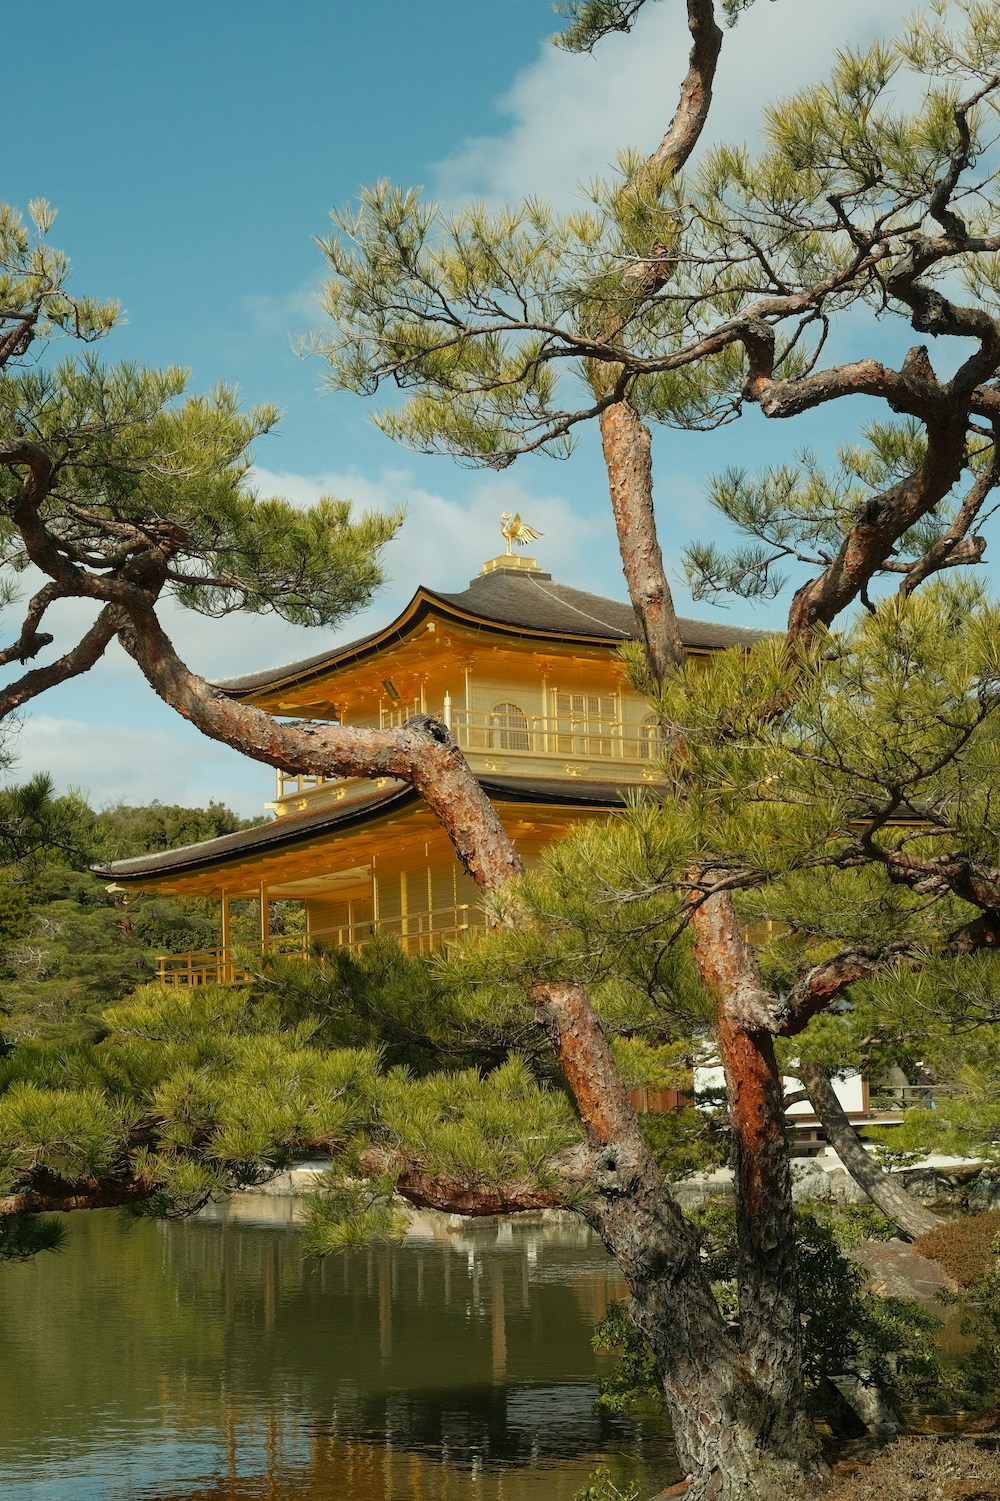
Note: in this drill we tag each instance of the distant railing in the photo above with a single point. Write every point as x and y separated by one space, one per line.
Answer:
416 933
892 1099
422 932
291 784
206 967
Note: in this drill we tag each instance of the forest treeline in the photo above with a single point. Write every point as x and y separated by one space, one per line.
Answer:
69 944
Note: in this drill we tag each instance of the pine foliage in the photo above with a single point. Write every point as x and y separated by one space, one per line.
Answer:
491 318
136 467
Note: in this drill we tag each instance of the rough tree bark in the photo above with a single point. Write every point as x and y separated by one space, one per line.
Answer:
770 1325
736 1403
626 442
881 1187
625 438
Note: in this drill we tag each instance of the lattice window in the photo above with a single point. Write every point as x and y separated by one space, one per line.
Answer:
587 723
508 728
651 739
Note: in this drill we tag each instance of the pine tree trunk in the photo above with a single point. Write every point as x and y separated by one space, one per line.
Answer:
739 1424
736 1440
770 1326
882 1188
765 1220
627 456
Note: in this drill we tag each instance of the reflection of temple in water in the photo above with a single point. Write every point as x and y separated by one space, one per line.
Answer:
358 1469
499 1281
207 1360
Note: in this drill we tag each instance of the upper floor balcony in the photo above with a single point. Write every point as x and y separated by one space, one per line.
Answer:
586 739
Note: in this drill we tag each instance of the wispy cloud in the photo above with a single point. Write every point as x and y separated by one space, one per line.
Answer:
281 312
568 116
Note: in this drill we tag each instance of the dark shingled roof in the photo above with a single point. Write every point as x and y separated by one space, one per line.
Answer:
295 828
525 604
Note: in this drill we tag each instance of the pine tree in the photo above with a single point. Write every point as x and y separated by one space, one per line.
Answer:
681 297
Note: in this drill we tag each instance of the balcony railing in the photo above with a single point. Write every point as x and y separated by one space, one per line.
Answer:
893 1099
205 967
416 933
292 784
484 732
422 932
566 736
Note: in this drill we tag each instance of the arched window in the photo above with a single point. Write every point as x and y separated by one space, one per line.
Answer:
508 728
651 738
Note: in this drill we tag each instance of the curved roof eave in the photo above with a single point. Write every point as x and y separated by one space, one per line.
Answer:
296 674
528 606
292 829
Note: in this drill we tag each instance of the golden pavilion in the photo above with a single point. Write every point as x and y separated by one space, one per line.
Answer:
527 675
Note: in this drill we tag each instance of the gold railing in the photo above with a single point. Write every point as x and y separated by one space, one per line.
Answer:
422 932
579 738
416 933
205 967
482 732
295 784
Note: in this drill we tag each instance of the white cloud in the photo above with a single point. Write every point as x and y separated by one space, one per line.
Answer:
444 541
570 115
113 760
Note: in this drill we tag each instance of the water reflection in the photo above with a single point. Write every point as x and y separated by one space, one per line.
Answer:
207 1360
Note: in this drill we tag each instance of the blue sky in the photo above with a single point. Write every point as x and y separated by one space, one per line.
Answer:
193 150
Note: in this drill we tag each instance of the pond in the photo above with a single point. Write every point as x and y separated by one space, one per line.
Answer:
206 1360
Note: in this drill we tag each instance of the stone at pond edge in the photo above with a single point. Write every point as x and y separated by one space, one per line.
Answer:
898 1271
809 1183
984 1194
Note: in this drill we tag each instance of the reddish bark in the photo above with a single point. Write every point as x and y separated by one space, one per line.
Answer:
588 1064
956 546
982 933
624 436
51 1195
879 526
454 1195
814 991
768 1291
88 650
684 130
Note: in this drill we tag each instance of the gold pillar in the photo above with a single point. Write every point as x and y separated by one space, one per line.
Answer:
265 919
226 967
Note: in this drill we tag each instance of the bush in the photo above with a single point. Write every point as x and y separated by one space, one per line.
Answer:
963 1247
923 1469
